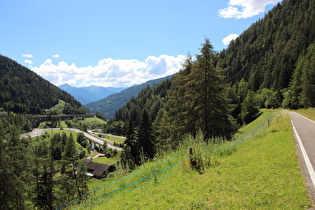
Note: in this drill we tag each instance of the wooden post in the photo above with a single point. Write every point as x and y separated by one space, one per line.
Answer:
193 162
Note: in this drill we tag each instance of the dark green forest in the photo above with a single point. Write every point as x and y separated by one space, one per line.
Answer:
43 172
266 54
23 91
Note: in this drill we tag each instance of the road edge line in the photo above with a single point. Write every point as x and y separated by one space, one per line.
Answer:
312 121
309 166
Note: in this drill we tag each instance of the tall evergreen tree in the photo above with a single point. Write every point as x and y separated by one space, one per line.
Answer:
175 120
131 155
210 104
69 150
146 141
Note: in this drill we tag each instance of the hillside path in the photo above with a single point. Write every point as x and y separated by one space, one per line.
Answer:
304 130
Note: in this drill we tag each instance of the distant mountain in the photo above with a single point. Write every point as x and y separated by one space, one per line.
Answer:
23 91
109 105
90 94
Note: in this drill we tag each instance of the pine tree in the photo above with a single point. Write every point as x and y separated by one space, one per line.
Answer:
196 101
209 103
146 141
175 120
131 155
69 150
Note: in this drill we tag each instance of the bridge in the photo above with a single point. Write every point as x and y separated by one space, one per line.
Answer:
36 119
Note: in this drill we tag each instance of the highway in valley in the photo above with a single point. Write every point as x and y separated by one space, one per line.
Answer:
99 141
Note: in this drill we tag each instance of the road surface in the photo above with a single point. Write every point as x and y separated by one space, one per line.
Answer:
304 130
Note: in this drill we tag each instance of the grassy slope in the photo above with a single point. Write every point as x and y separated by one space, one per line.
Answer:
310 113
95 119
262 173
113 139
105 160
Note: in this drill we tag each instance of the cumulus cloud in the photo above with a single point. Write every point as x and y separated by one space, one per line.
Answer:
245 8
56 56
28 61
27 56
229 38
109 72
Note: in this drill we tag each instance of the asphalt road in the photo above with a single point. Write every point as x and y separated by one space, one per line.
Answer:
304 130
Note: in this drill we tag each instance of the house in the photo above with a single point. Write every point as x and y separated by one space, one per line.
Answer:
98 170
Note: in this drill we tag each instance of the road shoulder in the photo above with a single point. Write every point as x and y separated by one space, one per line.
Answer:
304 162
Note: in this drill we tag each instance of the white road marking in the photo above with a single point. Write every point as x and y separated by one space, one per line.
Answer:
305 156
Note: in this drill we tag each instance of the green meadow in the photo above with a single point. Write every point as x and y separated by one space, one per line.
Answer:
258 170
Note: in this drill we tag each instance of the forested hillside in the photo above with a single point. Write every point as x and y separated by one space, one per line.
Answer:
269 65
39 173
151 98
23 91
266 54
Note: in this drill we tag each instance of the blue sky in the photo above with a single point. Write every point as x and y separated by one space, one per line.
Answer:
117 42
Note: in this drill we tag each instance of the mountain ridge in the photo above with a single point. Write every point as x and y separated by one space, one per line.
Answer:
23 91
109 105
90 94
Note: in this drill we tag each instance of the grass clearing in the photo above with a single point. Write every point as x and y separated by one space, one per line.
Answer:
261 173
113 139
105 160
51 132
310 113
96 119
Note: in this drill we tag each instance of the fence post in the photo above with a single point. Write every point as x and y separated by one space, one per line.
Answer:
195 162
191 159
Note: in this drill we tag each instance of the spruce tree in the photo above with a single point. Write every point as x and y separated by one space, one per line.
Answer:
175 120
131 155
69 151
208 102
146 141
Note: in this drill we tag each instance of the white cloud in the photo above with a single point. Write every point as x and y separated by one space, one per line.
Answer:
56 56
109 72
28 62
27 56
229 38
245 8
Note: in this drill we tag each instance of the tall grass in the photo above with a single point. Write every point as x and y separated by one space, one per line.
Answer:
259 173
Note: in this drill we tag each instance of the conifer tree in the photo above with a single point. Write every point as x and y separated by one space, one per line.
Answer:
69 151
175 120
131 155
209 101
146 141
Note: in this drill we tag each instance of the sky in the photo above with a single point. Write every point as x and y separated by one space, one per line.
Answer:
118 43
